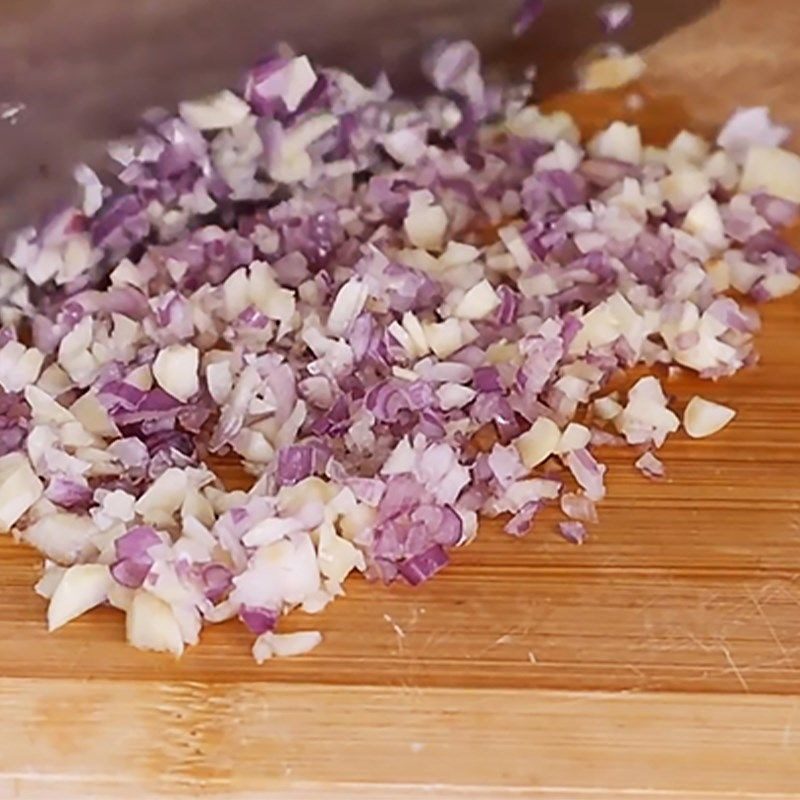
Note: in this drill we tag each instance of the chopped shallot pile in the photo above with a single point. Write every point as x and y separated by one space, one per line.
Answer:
341 289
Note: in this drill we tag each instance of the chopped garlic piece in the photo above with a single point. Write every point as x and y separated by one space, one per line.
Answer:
337 556
284 644
416 333
611 72
175 370
574 437
356 521
704 417
292 499
620 141
349 302
150 624
606 408
704 221
684 187
425 223
719 272
646 417
688 147
54 380
457 254
51 577
444 338
539 442
781 284
82 587
515 245
44 409
773 170
478 302
530 123
164 497
221 110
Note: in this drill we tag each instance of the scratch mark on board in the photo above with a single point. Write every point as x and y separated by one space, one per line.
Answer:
736 671
401 634
770 627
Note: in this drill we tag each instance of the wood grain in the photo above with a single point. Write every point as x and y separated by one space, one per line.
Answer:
661 659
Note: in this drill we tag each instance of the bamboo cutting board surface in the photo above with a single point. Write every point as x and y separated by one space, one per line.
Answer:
661 659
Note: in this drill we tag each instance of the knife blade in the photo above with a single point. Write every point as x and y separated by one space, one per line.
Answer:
78 85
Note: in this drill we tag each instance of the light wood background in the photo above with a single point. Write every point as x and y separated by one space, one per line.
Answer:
661 659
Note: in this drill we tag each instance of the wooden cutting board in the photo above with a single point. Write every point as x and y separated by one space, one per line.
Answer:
661 659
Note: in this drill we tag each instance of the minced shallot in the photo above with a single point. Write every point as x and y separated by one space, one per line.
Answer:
399 316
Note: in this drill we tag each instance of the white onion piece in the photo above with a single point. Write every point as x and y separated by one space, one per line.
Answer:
92 189
293 81
82 587
748 127
283 572
219 379
454 395
20 488
61 536
405 146
520 493
51 577
19 366
650 465
703 417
